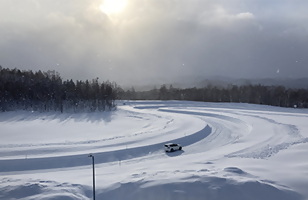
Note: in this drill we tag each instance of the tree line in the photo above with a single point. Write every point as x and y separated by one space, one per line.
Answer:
46 91
255 94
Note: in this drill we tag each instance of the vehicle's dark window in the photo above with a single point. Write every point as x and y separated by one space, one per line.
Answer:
166 145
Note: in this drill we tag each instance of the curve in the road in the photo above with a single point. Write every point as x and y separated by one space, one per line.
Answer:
103 157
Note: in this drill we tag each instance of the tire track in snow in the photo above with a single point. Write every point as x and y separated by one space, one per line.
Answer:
226 130
265 151
260 150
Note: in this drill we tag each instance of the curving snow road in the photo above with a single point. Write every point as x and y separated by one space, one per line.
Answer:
230 151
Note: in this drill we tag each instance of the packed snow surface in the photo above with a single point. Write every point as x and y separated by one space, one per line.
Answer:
230 151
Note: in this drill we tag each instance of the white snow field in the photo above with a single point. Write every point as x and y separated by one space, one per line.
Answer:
231 151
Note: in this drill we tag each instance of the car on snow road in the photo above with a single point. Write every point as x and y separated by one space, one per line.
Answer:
170 147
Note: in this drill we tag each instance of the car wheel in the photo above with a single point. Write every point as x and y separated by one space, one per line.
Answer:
180 148
172 150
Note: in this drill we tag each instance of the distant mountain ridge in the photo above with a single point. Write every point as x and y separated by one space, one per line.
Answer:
199 82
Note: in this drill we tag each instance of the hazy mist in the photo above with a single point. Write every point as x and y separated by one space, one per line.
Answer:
151 40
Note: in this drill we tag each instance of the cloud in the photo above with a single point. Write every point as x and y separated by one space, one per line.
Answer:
151 39
246 15
217 15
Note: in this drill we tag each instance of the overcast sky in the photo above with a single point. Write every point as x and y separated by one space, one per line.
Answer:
156 39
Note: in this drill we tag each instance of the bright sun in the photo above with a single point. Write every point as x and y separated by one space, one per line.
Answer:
113 6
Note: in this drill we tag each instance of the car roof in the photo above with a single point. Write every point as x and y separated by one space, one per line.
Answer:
169 143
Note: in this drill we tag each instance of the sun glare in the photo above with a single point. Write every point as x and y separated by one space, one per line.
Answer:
113 6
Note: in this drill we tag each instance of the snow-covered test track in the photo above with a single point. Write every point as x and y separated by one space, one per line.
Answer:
230 151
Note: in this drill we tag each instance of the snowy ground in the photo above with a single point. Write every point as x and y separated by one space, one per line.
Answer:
230 151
